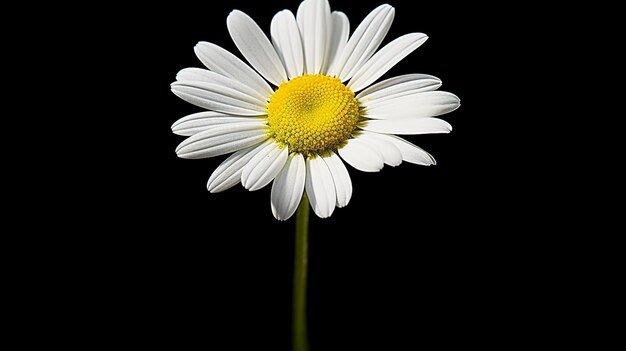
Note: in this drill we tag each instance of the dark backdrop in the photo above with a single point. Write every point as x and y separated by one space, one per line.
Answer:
421 255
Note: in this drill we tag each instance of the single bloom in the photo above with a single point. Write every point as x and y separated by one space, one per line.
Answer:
307 105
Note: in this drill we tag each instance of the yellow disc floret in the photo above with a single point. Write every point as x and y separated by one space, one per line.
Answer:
312 114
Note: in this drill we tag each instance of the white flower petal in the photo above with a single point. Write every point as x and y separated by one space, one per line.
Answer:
315 22
203 75
224 62
288 187
391 154
226 87
300 15
264 167
364 41
341 178
418 105
201 121
218 98
407 126
221 140
320 187
340 31
197 74
288 43
228 174
385 59
255 47
397 87
362 156
410 152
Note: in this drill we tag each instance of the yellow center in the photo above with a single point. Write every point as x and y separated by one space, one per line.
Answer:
312 114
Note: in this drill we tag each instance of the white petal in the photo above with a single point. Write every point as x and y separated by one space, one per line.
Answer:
410 152
340 31
288 44
364 41
320 187
300 15
362 156
221 140
264 167
255 47
315 22
227 87
391 154
201 121
385 59
203 75
222 61
407 126
426 104
288 187
228 174
397 87
341 179
193 73
218 98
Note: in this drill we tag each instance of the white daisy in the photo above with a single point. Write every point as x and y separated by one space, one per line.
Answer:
298 129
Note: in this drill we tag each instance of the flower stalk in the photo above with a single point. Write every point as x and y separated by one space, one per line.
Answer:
300 338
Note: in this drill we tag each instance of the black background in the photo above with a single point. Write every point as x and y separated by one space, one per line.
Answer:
421 255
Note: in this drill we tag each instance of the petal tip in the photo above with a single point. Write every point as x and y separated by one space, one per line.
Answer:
342 205
182 155
323 215
178 148
235 13
210 186
280 218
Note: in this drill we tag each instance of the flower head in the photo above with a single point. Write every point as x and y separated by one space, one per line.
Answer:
307 104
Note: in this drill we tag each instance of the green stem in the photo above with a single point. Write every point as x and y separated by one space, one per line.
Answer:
300 339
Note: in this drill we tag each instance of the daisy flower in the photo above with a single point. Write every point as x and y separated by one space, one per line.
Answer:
307 102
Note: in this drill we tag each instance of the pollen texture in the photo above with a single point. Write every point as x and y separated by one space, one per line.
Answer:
312 114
